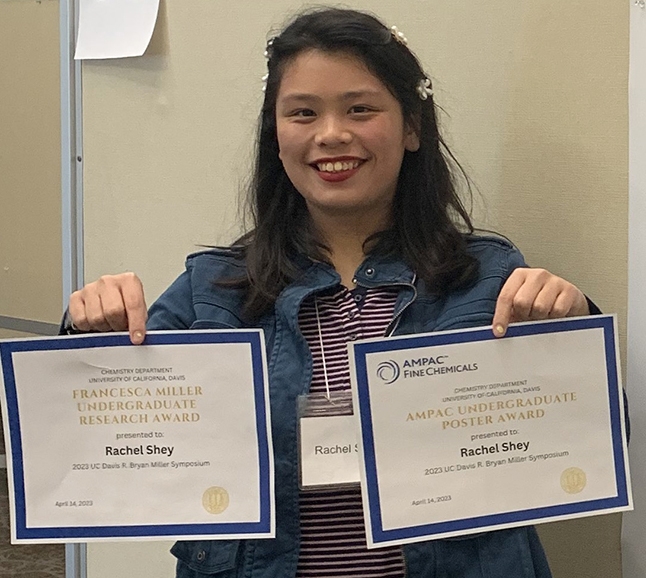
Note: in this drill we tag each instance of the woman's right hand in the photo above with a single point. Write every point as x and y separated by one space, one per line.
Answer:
112 303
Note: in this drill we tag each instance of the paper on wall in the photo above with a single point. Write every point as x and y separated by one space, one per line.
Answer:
115 28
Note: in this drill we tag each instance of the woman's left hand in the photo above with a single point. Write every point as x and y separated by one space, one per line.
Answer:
533 294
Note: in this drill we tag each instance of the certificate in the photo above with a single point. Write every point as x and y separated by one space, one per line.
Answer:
462 432
108 441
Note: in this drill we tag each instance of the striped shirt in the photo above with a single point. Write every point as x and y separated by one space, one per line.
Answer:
333 536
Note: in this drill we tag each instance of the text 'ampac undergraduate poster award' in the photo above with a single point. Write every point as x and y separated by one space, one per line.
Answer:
462 432
107 441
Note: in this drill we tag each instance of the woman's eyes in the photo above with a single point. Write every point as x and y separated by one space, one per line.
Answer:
303 113
361 109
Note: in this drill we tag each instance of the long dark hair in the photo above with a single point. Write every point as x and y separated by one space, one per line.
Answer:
429 219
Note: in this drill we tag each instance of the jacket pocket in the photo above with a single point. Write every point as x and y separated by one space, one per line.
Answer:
267 325
464 320
209 324
204 558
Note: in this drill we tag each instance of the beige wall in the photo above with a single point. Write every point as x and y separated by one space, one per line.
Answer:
8 334
30 214
535 95
30 175
565 150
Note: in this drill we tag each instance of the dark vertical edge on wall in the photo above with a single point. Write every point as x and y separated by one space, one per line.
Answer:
71 197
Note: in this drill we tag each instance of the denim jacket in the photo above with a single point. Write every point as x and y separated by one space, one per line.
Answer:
194 301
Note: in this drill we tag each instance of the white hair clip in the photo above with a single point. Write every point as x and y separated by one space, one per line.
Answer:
398 36
424 88
267 52
264 79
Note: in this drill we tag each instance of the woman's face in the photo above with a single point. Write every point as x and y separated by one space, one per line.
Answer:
341 136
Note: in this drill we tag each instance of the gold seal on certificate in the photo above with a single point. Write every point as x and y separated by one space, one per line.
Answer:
573 480
215 500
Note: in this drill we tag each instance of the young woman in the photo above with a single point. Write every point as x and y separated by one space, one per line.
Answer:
358 232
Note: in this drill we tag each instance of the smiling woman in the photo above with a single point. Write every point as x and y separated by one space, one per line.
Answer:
348 91
358 232
342 138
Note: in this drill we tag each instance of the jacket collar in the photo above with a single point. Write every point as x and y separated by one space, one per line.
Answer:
375 271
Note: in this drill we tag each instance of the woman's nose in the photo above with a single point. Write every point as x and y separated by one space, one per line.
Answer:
332 131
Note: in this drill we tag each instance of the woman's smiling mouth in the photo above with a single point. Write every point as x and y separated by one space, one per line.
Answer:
337 166
337 169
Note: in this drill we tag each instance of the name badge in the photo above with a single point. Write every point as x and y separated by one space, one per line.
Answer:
329 454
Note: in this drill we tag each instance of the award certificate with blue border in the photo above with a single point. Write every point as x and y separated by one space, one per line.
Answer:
461 432
110 441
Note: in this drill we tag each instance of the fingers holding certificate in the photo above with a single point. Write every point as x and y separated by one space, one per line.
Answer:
461 432
109 441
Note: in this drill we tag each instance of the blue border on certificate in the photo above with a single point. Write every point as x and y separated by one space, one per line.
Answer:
252 337
361 350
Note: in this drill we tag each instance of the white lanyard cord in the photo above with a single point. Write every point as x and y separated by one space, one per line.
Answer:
318 325
389 330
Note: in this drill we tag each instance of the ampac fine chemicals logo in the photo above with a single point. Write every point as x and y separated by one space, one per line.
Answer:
388 371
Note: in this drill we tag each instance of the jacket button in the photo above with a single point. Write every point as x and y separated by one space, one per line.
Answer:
201 555
370 271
